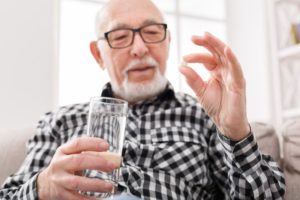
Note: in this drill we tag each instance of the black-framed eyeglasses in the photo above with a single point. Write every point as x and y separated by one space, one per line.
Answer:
124 37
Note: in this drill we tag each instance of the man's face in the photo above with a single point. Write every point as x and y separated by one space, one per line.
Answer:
139 63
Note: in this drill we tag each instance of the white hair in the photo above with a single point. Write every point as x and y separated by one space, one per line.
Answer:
99 20
134 92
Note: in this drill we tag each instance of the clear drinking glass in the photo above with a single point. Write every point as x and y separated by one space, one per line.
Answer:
107 120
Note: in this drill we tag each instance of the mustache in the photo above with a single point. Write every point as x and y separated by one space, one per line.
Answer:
147 61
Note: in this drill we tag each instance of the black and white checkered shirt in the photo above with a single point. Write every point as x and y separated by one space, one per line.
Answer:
172 150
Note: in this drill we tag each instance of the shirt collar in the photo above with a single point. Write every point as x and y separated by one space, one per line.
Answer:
167 94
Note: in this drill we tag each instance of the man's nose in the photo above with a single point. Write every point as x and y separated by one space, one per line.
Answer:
138 48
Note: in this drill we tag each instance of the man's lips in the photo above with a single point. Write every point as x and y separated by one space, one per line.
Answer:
144 68
140 73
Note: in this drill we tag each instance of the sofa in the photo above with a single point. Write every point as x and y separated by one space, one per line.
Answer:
284 147
286 153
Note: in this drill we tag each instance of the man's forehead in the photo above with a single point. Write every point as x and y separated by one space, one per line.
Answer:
128 14
132 6
117 24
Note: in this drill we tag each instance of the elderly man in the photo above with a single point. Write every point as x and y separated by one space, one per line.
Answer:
174 149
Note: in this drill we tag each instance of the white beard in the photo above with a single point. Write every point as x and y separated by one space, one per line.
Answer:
134 92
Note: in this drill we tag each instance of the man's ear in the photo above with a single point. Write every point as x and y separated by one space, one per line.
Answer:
96 53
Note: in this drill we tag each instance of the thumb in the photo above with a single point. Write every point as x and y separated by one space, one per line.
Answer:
194 80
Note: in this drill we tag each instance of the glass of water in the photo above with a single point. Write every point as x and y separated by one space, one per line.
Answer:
107 120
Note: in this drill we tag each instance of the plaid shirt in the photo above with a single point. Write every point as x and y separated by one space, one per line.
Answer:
172 150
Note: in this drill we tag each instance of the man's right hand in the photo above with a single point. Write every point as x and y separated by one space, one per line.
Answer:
60 180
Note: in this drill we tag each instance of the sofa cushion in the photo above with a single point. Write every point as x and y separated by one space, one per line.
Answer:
267 139
13 150
292 185
291 146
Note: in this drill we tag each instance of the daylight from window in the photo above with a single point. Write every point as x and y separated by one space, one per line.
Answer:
79 75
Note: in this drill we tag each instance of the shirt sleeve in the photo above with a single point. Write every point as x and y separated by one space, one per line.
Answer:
40 149
239 167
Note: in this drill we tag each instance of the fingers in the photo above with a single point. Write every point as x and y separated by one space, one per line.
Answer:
70 158
222 57
214 42
81 144
66 186
75 157
74 195
207 60
193 80
109 156
215 46
202 41
235 68
80 183
78 162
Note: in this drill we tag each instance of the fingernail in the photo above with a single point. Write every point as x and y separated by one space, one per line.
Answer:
108 186
104 145
183 63
111 165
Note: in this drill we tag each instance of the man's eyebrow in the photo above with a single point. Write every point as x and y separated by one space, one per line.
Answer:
119 26
123 25
150 21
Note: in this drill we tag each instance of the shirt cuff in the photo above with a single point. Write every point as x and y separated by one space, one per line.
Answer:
29 189
243 155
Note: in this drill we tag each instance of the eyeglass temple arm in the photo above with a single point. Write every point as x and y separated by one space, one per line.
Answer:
101 38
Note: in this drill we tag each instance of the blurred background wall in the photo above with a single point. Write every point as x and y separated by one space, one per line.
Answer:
30 57
27 61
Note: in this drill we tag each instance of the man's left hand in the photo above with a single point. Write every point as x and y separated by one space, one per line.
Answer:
223 96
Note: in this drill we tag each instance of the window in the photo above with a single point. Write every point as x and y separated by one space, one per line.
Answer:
79 75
